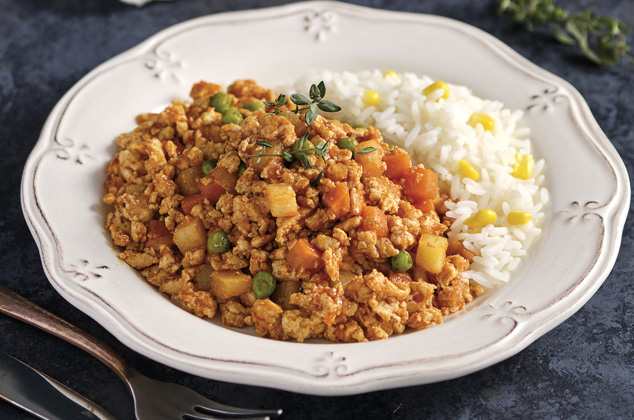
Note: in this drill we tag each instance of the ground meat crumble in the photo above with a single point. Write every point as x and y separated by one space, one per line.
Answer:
329 242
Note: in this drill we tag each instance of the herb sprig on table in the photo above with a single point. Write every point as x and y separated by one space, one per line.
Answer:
602 39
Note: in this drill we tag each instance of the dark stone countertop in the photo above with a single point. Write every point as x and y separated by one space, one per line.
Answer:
584 368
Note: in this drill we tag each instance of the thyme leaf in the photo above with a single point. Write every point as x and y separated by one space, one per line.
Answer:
365 150
278 104
318 179
316 93
299 99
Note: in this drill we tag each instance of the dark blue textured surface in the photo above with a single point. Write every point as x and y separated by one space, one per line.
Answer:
582 369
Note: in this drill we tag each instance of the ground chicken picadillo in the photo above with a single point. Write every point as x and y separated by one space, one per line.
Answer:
346 244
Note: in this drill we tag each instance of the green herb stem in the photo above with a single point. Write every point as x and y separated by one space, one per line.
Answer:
602 39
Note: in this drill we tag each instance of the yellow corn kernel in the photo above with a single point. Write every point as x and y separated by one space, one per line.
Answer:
523 167
370 97
481 218
467 171
390 73
487 122
434 87
519 217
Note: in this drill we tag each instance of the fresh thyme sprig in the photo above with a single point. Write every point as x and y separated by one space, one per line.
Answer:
278 104
286 155
300 150
602 39
316 93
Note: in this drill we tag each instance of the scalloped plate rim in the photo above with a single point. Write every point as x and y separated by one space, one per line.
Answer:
268 376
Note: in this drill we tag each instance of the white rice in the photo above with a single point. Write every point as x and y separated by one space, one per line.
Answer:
436 134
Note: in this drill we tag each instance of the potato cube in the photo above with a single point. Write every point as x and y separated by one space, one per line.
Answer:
187 181
431 253
281 199
283 292
203 276
225 284
371 162
191 234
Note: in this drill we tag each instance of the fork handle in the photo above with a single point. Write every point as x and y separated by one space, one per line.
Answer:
24 310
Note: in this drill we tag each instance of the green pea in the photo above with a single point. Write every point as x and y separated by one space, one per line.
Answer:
347 143
254 106
242 168
218 242
231 116
263 285
401 262
209 166
308 148
221 102
365 127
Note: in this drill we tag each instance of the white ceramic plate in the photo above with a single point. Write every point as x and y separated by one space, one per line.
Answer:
62 191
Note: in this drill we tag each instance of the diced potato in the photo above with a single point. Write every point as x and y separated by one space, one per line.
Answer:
225 284
281 199
346 277
371 162
431 253
191 234
187 181
203 276
283 292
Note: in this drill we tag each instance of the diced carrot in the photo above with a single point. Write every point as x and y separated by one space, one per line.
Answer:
371 162
305 256
158 235
188 203
425 205
398 166
421 184
375 220
157 228
210 189
338 200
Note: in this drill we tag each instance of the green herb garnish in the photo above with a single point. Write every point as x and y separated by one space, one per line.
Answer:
365 150
601 38
287 156
316 93
279 103
300 150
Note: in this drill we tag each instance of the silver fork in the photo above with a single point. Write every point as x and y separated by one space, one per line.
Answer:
153 400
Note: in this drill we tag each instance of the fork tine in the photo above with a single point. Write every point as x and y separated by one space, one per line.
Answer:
206 417
205 405
213 407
